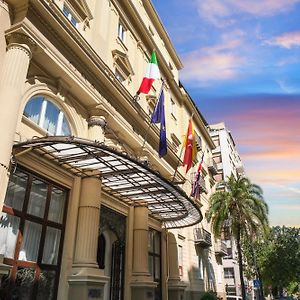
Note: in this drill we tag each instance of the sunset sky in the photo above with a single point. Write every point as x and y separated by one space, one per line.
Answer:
242 66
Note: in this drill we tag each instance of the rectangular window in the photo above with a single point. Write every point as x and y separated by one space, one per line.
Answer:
67 12
154 259
200 267
121 32
228 273
180 260
31 234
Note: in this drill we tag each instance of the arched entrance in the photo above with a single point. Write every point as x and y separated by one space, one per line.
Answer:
111 251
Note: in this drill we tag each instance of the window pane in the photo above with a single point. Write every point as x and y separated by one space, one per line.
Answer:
51 246
57 204
150 264
31 241
16 190
51 118
157 268
33 108
157 243
37 199
65 129
46 285
24 284
9 226
150 241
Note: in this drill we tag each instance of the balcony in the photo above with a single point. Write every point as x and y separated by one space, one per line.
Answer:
212 167
221 248
203 188
202 237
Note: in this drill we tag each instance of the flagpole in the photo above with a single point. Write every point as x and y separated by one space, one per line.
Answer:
150 124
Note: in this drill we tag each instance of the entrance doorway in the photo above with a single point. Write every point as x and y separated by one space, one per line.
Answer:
111 251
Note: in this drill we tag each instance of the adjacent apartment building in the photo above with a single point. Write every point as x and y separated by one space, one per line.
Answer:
228 162
88 208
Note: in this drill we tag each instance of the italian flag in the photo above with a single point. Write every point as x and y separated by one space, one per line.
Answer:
152 73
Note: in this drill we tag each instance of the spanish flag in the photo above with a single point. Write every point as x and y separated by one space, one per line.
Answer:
190 147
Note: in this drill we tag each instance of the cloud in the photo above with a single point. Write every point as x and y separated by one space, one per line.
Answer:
286 40
223 13
216 62
210 67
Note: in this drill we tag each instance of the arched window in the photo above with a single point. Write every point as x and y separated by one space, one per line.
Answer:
47 115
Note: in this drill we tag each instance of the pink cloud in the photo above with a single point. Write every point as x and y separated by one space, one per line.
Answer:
210 67
268 141
217 62
286 40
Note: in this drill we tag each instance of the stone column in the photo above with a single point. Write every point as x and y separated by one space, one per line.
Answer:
87 280
12 80
175 285
142 283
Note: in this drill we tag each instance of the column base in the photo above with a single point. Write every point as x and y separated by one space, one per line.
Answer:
176 289
142 287
87 283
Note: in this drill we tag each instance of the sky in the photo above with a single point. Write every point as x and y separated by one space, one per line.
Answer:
242 66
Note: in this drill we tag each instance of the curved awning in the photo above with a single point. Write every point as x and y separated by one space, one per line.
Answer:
122 177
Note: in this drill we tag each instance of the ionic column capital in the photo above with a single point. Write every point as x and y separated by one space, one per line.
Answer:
22 42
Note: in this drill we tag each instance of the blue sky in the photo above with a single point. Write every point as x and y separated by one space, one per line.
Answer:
242 66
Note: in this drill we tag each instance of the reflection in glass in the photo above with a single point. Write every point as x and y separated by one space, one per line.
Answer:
51 118
51 246
16 190
65 129
24 284
31 241
57 204
157 243
9 226
157 268
150 265
33 109
47 115
37 199
46 285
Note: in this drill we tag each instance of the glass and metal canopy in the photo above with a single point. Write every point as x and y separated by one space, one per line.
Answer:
122 177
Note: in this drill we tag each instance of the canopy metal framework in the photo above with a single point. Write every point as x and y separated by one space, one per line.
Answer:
122 177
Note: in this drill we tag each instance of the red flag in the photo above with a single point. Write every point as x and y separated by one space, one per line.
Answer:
190 147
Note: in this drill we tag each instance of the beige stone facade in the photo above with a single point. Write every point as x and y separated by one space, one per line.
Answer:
71 69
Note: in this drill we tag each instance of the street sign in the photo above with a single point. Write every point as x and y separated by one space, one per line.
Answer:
256 283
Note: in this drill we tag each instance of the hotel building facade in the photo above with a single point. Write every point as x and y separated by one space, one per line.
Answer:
88 208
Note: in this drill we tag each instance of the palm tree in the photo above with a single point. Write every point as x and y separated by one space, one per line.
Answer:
241 209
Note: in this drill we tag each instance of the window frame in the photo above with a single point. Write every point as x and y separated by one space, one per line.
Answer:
122 32
42 114
38 266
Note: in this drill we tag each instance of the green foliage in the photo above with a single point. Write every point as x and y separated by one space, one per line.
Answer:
241 210
210 295
277 256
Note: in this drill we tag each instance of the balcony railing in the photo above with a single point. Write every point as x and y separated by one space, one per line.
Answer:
203 188
202 237
220 248
213 167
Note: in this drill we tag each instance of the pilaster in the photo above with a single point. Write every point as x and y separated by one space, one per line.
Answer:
87 280
142 283
175 286
12 79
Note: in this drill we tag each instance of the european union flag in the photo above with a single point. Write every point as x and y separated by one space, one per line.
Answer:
158 116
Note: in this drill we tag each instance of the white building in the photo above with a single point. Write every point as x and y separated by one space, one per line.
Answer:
228 162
